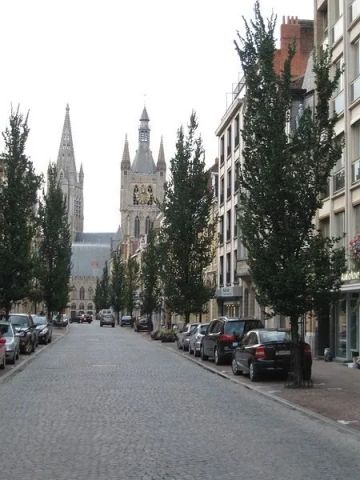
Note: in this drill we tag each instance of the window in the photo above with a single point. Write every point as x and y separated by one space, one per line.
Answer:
136 195
82 293
340 227
355 86
235 266
147 225
222 190
228 143
324 227
90 306
236 131
228 189
137 228
235 223
236 175
338 102
222 149
228 225
354 10
339 172
228 268
221 271
357 219
221 229
341 329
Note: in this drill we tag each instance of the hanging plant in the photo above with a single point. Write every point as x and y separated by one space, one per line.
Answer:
355 251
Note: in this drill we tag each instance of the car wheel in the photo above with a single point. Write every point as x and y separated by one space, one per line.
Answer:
252 372
196 353
101 324
28 348
33 346
235 368
217 357
202 354
178 344
50 339
2 366
121 325
18 354
113 325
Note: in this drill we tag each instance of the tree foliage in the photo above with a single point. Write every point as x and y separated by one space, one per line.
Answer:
54 246
131 284
282 179
188 232
18 198
102 297
117 283
151 296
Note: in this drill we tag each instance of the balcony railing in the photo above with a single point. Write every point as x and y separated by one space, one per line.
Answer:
355 174
354 10
339 102
337 30
339 180
355 89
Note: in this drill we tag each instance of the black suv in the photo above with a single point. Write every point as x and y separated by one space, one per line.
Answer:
26 331
223 336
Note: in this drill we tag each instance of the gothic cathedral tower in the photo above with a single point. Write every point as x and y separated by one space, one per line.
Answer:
70 181
142 183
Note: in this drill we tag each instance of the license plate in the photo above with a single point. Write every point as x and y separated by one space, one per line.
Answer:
282 352
235 344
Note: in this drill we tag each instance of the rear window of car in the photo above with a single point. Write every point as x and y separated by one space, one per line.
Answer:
5 330
236 327
39 320
18 320
274 337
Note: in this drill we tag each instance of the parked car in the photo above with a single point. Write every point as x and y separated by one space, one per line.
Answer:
12 345
60 320
223 336
196 337
44 328
126 320
268 351
107 318
25 329
2 352
142 324
183 336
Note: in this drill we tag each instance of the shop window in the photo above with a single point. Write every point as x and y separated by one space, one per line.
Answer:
354 324
341 329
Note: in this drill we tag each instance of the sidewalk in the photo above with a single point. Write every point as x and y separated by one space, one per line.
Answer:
335 393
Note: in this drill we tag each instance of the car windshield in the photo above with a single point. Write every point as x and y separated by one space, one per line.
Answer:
5 330
18 320
236 327
40 320
275 336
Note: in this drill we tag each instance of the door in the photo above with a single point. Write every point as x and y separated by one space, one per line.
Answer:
245 352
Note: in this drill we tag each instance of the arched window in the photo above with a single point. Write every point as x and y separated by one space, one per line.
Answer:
136 195
90 306
137 227
150 195
147 225
82 293
91 292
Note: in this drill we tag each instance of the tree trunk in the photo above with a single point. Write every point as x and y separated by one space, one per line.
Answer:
296 379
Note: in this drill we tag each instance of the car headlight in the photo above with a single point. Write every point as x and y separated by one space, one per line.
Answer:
21 333
44 331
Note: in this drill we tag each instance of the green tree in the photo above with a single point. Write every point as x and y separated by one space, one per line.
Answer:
104 291
117 283
18 198
281 182
98 297
151 295
131 284
54 246
188 232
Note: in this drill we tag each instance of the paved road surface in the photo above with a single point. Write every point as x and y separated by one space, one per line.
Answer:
105 404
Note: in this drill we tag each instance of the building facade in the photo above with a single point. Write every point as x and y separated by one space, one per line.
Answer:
141 186
337 25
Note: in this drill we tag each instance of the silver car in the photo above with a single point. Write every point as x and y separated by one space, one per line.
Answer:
196 337
182 337
12 345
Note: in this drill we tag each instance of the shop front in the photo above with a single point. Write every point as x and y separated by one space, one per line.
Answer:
229 301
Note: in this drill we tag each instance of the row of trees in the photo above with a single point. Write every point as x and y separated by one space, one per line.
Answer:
35 241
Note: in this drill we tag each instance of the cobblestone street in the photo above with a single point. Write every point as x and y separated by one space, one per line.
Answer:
105 403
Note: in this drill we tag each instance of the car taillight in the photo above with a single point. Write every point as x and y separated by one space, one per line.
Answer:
260 352
226 338
2 341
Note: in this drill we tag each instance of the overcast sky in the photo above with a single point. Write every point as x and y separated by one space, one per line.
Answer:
106 58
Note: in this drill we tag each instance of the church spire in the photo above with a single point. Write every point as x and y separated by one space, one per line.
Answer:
143 161
66 156
161 165
125 162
